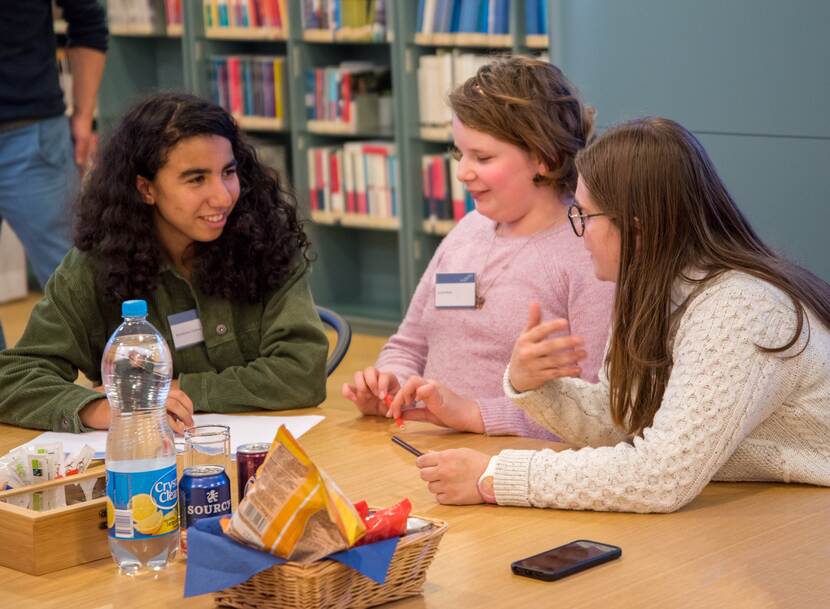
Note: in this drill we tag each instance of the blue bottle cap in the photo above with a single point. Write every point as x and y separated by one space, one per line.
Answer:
134 308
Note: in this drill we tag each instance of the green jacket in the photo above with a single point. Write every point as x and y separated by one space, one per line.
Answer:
269 355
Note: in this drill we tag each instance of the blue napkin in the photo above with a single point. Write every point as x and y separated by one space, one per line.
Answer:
215 561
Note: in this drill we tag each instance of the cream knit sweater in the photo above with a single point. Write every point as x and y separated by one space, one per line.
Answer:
729 412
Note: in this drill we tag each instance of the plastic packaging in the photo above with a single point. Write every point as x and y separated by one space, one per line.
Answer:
142 493
294 510
385 522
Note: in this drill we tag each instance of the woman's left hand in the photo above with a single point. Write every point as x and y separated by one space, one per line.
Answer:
452 475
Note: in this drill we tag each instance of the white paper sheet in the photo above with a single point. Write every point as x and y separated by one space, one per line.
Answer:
244 430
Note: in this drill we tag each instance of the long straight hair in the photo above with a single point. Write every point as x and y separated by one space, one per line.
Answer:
659 187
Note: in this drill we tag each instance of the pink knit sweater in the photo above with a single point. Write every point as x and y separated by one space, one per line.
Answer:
468 349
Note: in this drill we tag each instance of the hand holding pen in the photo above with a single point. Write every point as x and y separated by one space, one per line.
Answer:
451 475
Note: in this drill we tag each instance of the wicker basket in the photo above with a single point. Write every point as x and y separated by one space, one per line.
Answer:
327 583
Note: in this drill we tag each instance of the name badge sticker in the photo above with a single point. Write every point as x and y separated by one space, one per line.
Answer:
186 328
455 290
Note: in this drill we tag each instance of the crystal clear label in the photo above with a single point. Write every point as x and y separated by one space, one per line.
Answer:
142 505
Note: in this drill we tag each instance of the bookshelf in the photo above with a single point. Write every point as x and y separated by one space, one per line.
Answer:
423 235
360 260
145 54
366 267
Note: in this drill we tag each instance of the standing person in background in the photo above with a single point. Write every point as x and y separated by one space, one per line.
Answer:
517 126
717 365
41 152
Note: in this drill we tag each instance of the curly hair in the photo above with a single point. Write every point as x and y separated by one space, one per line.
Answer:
528 103
262 240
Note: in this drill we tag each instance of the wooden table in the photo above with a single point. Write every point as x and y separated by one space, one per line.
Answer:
737 545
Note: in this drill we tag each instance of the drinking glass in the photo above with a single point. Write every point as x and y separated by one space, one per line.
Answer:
207 445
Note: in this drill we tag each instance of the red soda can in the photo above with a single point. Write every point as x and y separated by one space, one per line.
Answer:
248 459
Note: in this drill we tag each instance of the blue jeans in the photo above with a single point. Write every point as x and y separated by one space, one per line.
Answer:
38 183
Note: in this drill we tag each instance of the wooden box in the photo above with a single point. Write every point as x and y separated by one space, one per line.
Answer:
41 542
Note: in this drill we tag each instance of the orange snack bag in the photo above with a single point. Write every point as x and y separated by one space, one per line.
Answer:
294 510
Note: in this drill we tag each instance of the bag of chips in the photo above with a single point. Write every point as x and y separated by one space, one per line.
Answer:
294 510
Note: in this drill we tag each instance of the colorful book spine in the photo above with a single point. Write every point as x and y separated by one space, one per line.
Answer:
173 12
224 13
353 19
242 13
235 86
248 104
358 178
332 95
279 83
467 16
444 196
248 85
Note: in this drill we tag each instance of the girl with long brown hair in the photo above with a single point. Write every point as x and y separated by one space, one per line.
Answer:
717 365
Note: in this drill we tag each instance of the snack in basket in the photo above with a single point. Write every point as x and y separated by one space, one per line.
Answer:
294 510
385 522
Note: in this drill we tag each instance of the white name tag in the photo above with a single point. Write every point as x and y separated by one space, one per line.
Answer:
455 290
186 328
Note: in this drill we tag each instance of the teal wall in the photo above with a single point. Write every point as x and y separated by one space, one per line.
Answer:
751 78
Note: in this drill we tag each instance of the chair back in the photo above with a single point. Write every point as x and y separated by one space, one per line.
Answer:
344 337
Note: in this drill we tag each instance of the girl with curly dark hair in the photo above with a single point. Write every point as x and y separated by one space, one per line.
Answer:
177 211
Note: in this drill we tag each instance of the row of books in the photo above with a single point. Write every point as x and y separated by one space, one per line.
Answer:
438 75
355 178
445 198
357 95
173 14
442 73
153 17
249 85
245 13
356 19
463 16
346 19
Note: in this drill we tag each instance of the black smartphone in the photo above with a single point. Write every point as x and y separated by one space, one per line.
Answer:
563 561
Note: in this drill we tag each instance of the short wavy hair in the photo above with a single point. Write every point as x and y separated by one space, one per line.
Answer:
263 240
529 103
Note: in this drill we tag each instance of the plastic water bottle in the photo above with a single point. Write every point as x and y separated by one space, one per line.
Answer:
142 494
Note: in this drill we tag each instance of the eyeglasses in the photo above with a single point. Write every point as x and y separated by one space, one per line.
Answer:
578 218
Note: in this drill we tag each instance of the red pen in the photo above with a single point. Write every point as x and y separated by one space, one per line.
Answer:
388 401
